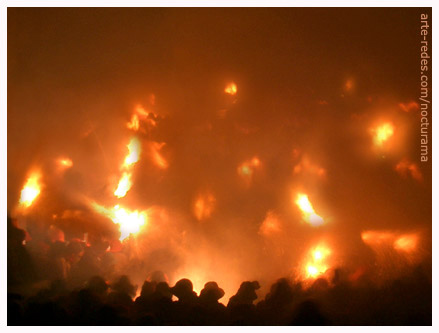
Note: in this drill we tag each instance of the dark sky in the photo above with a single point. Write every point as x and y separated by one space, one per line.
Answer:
72 71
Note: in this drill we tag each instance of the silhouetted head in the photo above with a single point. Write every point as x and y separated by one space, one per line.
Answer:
158 276
148 288
98 285
183 289
247 290
124 286
211 292
162 290
308 314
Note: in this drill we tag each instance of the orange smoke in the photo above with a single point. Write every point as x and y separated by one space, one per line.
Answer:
308 212
247 168
204 206
31 190
156 156
407 107
406 167
305 165
270 225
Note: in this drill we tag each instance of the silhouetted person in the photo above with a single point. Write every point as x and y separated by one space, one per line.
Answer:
309 314
210 311
241 307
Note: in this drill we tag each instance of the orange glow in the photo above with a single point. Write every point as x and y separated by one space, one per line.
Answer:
31 190
376 237
316 265
406 167
130 222
65 163
406 243
204 206
308 212
382 133
349 85
231 89
247 168
156 156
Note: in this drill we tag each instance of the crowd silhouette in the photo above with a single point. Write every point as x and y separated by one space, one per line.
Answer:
93 300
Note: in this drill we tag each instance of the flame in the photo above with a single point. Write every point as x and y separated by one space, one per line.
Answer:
130 222
134 150
156 156
141 114
124 185
204 206
406 243
383 133
132 158
316 264
31 190
231 89
134 123
308 213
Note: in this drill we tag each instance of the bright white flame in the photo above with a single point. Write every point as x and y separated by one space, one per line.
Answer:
129 222
31 190
308 212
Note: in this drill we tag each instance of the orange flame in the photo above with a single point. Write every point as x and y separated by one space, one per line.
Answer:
308 212
31 190
133 156
316 264
130 222
141 114
382 133
231 89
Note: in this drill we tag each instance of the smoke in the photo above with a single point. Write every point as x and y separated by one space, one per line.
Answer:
304 106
